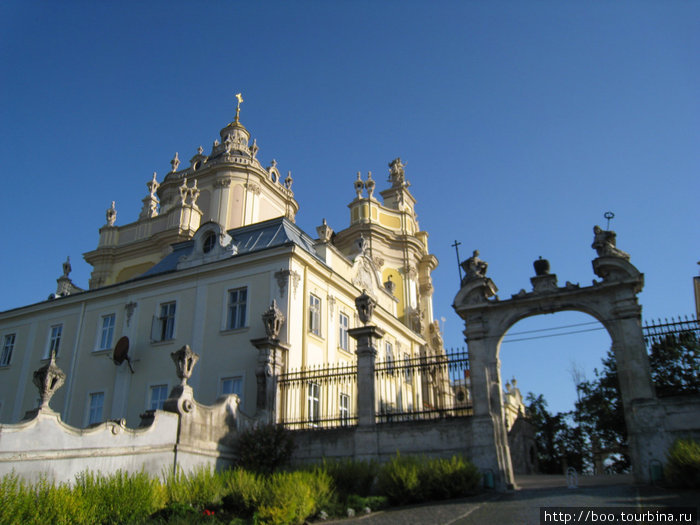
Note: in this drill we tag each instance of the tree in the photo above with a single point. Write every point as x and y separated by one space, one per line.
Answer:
600 415
561 445
675 364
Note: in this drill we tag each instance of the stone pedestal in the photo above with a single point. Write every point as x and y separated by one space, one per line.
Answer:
271 358
366 356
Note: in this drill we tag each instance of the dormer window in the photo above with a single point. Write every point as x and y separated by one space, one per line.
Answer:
196 166
209 242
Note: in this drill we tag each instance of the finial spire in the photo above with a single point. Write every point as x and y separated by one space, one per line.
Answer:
239 98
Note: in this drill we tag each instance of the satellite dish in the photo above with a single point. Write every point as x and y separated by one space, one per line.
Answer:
121 352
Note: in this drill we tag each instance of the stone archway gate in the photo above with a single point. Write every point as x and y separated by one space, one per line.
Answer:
612 301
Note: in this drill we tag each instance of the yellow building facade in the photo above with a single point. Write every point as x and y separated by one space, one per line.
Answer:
215 245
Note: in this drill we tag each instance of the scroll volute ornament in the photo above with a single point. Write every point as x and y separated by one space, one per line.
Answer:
184 360
48 379
365 307
273 318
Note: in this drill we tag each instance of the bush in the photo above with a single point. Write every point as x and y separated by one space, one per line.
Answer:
291 497
351 477
683 464
265 448
398 480
409 479
448 478
199 488
243 491
118 498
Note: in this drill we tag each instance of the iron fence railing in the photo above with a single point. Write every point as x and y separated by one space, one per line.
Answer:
319 397
656 332
425 387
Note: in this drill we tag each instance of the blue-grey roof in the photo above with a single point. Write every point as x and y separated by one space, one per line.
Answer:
247 239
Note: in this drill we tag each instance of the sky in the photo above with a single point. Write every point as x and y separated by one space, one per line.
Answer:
520 123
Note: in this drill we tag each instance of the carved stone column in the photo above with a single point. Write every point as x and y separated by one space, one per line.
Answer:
366 337
271 362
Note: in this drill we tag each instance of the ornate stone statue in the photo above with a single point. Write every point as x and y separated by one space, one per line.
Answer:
604 243
324 232
474 267
111 215
288 181
397 176
48 379
273 319
175 163
67 267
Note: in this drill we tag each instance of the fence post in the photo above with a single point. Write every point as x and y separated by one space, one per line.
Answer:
271 360
366 355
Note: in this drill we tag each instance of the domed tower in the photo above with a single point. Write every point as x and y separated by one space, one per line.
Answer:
399 249
228 186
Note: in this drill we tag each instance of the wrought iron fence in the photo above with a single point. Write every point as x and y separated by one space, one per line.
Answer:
424 387
656 332
674 356
319 397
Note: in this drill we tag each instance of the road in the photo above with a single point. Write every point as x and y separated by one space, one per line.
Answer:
522 506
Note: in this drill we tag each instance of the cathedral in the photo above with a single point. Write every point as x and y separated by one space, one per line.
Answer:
213 249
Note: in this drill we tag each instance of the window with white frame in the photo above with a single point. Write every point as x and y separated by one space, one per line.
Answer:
106 332
95 405
164 324
232 385
344 408
159 393
314 315
55 334
407 368
237 302
7 347
389 355
314 402
343 325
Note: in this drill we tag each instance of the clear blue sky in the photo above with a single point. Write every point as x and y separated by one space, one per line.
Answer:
521 123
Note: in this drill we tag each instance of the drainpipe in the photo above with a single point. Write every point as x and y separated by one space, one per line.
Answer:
74 360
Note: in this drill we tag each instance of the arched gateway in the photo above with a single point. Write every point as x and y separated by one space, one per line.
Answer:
612 301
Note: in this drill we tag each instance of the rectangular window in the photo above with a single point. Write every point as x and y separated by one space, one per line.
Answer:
237 300
54 340
165 323
232 385
159 393
106 332
407 369
97 401
314 402
7 348
389 355
343 324
314 315
344 409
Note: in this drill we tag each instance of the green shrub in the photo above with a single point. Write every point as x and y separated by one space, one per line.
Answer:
39 503
683 464
351 477
399 480
243 491
265 448
291 497
410 479
448 478
199 488
120 497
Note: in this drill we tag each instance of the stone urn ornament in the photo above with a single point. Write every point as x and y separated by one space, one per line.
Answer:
184 360
365 307
541 266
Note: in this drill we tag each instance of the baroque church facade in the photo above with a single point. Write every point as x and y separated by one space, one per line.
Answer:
214 247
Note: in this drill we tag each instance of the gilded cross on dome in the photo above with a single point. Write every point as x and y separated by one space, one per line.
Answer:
239 98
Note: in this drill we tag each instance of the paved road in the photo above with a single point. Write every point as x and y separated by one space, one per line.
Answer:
522 507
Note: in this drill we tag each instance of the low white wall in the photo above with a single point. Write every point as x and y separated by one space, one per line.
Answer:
46 446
